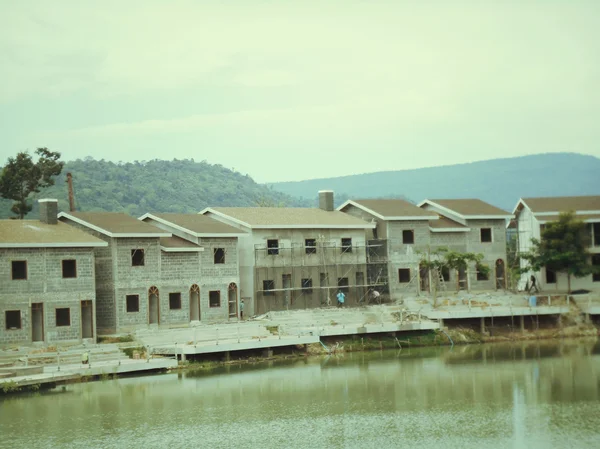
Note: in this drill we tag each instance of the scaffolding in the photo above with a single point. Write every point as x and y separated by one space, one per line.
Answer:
302 276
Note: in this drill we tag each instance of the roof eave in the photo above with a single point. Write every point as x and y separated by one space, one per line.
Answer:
361 207
169 223
450 229
316 226
489 217
141 235
413 218
577 212
223 235
112 234
443 208
223 215
167 249
85 223
55 245
521 201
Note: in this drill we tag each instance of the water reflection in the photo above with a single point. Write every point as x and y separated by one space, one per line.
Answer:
525 395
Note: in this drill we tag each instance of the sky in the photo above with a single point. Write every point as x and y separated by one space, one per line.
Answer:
291 90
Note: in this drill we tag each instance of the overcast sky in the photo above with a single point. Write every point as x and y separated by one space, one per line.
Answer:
289 90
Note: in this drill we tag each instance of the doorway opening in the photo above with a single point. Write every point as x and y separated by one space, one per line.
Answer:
423 279
37 321
500 275
232 299
87 319
153 309
462 278
194 303
286 281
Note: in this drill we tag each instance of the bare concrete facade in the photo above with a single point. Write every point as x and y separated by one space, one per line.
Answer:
534 213
300 258
147 276
477 227
47 281
405 229
203 256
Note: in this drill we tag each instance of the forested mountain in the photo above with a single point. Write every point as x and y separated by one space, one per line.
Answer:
500 182
156 186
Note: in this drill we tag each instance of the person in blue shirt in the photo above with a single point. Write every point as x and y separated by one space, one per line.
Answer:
341 298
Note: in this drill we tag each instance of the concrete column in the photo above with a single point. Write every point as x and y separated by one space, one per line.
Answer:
482 325
227 356
522 323
268 352
441 323
183 358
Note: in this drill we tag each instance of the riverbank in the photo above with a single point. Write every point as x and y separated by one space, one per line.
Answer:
296 335
386 341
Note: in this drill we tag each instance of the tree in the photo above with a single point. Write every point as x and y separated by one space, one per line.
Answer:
563 248
22 176
452 260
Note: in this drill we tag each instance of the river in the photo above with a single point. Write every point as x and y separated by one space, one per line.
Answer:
536 395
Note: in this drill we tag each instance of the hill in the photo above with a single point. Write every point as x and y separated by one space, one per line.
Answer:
182 186
500 182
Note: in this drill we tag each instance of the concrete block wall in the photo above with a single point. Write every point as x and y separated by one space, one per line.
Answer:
292 250
403 255
301 299
491 251
218 277
179 271
106 311
455 241
45 284
51 302
44 270
379 232
104 263
126 274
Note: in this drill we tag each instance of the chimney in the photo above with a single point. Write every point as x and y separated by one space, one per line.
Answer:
48 211
326 200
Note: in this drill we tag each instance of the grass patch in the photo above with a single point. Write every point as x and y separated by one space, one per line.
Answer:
141 350
10 387
120 339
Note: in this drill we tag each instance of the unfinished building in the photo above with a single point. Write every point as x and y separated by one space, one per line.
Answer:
406 230
474 226
47 282
296 258
203 255
532 214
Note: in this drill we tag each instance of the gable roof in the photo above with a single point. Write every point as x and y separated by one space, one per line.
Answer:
288 218
35 234
390 209
114 224
444 224
471 208
178 245
559 204
195 224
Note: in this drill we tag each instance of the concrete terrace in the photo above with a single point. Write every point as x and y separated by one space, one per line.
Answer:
282 328
24 367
